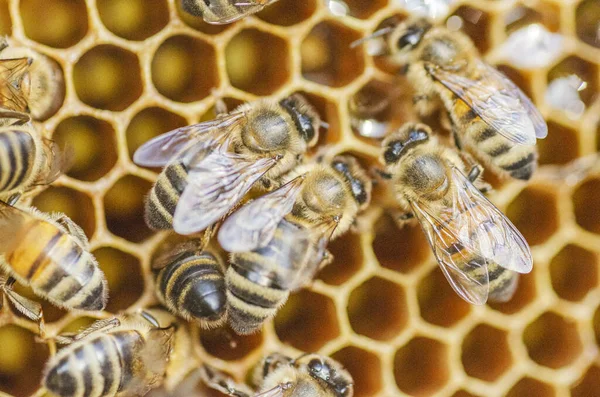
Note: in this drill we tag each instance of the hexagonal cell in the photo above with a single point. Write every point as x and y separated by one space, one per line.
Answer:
475 24
560 146
21 362
75 204
108 77
328 111
534 213
124 208
574 272
227 345
307 313
587 205
524 295
134 19
252 72
365 368
347 259
5 21
585 70
184 69
327 57
531 387
589 385
364 9
587 22
378 309
399 249
439 303
485 353
124 276
421 366
552 340
546 13
93 145
516 77
288 12
69 21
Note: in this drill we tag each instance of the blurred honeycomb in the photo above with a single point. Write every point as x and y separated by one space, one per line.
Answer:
138 68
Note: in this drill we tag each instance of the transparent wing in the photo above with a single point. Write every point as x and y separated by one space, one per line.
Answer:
253 225
13 219
498 101
159 151
12 72
248 7
277 391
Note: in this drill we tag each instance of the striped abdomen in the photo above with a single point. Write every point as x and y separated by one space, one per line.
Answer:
17 156
193 287
164 196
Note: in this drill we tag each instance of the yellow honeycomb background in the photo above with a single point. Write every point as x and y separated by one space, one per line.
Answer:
138 68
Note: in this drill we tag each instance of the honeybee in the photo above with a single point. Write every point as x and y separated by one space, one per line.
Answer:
211 166
219 12
278 241
114 357
489 114
478 249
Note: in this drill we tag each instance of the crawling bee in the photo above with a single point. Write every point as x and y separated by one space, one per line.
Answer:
478 249
219 12
489 114
210 166
278 241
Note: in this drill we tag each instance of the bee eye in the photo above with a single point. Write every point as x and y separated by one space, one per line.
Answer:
315 365
418 135
411 38
393 152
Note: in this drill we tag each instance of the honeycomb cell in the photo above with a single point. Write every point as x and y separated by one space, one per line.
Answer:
108 77
439 303
77 325
421 366
247 67
560 146
378 309
124 208
134 19
21 362
475 24
347 259
227 345
552 340
574 272
546 13
586 202
588 385
327 57
76 205
307 313
485 353
92 143
365 368
586 71
531 387
364 9
69 21
587 22
51 312
184 69
124 276
288 12
5 21
524 295
534 213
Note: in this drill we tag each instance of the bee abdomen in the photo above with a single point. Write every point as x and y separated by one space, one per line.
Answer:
164 196
503 283
17 153
524 167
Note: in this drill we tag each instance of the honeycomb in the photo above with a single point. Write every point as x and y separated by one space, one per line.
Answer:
137 68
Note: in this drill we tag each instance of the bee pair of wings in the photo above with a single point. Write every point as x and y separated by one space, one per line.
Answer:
497 100
247 7
12 72
470 235
217 179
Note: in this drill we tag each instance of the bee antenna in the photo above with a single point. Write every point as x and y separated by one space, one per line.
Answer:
374 35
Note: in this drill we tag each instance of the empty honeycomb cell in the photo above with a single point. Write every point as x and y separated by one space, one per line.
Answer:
546 13
588 385
307 313
586 201
378 309
124 208
252 72
21 362
560 146
587 22
184 69
327 57
516 77
485 353
134 19
365 368
533 212
227 345
55 23
75 204
552 340
574 272
124 276
438 302
524 295
476 24
328 111
421 366
364 9
5 21
288 12
347 259
92 143
531 387
586 71
108 77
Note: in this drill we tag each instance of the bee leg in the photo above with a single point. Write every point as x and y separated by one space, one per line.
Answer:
269 364
217 380
19 117
401 218
74 229
3 43
104 325
30 309
475 178
327 259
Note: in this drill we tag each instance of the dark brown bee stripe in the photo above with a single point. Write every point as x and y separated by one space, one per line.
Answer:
485 134
43 255
530 158
500 150
164 197
17 147
7 150
127 343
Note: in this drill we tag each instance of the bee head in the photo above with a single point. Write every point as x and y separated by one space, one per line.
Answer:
305 117
356 177
409 34
404 140
331 374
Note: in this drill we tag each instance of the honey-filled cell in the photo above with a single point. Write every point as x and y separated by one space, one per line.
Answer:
5 21
69 21
134 19
124 276
421 366
485 353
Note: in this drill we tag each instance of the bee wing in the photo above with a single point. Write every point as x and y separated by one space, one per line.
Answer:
277 391
249 7
492 233
498 101
159 151
11 72
254 225
13 219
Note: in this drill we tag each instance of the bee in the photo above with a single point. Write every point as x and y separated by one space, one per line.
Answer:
211 166
114 357
478 249
278 241
219 12
488 113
